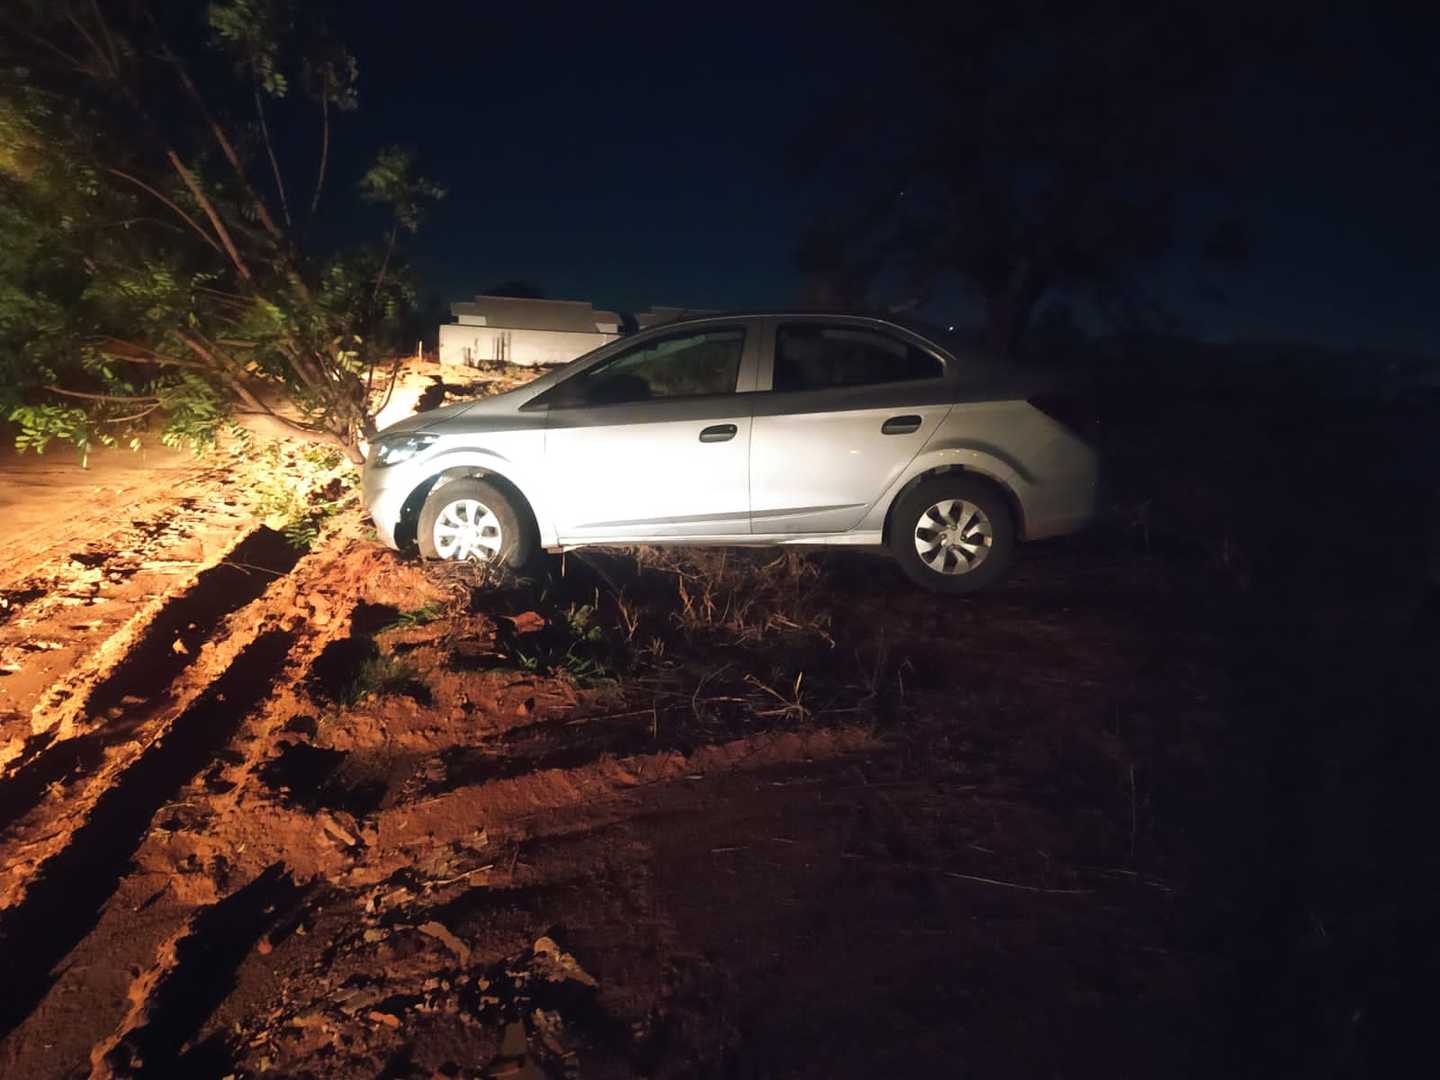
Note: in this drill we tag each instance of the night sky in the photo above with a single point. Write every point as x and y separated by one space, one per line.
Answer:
638 159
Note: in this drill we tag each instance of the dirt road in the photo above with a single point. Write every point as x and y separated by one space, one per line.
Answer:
642 815
320 810
306 807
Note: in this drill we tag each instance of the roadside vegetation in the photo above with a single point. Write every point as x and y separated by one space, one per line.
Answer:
162 266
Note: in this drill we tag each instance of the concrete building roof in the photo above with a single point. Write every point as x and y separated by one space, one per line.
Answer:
515 313
659 313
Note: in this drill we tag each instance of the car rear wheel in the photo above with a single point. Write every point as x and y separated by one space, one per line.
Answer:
953 534
472 519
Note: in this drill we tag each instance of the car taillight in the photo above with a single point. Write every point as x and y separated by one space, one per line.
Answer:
1075 411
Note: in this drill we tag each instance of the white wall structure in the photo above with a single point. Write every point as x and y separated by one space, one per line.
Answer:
522 331
660 314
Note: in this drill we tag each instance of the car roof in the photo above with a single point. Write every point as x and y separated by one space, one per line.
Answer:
788 313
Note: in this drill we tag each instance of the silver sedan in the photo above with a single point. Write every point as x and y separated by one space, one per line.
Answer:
749 429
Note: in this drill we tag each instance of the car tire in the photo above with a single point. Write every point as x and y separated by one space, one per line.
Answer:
474 519
953 534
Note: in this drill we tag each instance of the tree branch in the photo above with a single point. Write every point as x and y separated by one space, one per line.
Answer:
101 397
385 263
105 57
217 364
210 212
324 151
274 164
182 214
109 38
226 147
132 416
128 349
74 61
390 389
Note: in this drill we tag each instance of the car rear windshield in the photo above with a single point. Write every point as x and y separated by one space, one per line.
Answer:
818 357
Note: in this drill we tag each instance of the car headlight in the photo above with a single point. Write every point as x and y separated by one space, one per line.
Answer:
399 448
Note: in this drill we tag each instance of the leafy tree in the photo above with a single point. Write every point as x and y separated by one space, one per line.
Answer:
155 261
1030 151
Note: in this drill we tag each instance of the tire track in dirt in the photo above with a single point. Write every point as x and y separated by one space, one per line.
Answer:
163 1031
140 669
77 608
174 899
420 840
193 973
66 618
63 903
505 806
297 603
208 750
158 542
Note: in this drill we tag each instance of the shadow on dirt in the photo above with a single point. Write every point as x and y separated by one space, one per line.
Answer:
348 669
12 602
317 778
190 618
65 900
551 747
138 684
204 974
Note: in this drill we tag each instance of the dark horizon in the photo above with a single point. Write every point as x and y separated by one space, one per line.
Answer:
643 162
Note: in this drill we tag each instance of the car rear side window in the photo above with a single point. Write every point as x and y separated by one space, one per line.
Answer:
682 365
811 356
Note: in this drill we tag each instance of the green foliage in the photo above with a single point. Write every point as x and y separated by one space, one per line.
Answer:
144 278
194 410
574 645
331 76
420 616
41 423
251 33
378 675
582 623
283 501
322 457
392 181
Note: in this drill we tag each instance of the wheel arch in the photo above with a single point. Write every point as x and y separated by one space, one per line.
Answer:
405 528
1005 490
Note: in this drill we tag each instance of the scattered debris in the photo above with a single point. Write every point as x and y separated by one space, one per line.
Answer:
556 965
336 830
439 932
514 1062
527 622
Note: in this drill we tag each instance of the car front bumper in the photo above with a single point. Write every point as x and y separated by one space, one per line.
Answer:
384 491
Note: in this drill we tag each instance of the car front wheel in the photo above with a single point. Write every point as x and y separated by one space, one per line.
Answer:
472 519
953 534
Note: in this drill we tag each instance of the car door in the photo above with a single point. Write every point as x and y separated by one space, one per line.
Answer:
844 406
654 440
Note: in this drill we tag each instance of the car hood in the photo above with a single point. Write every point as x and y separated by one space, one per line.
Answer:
497 405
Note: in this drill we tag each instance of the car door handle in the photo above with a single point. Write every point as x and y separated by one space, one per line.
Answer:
718 433
900 425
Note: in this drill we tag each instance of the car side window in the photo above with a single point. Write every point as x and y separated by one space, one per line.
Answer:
682 365
811 356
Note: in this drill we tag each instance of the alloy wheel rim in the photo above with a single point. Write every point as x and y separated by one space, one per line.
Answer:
953 537
467 529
